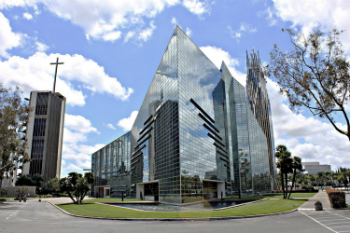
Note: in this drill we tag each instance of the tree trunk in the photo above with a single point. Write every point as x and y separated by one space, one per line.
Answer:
286 193
71 197
282 183
83 197
0 186
291 188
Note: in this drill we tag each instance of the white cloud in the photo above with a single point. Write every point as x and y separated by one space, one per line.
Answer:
74 168
79 124
129 35
325 14
8 39
32 74
27 16
111 126
73 137
147 33
77 155
307 137
269 15
126 123
112 36
197 7
217 55
188 32
174 21
104 19
41 47
244 28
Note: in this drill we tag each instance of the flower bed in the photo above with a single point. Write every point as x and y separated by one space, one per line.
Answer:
336 198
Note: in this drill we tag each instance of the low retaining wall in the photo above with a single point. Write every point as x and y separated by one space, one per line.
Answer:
12 191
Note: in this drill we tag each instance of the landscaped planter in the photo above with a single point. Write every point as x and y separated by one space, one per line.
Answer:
318 206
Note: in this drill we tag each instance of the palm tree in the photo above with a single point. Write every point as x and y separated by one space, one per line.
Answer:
296 165
321 177
328 175
339 178
284 164
312 177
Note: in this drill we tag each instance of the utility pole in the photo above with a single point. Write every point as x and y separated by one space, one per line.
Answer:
56 63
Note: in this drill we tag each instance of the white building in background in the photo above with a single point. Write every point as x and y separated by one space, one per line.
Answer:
314 167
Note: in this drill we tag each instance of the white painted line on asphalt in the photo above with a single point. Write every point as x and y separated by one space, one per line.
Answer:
319 222
16 211
334 219
348 226
338 214
335 223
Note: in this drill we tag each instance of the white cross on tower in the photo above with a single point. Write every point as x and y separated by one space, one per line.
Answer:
56 63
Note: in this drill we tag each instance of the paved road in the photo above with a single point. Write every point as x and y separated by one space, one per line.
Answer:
36 217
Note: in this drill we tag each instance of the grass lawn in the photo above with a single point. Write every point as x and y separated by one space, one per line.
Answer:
262 207
108 200
7 198
276 195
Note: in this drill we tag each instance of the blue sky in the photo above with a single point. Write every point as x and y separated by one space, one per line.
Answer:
111 50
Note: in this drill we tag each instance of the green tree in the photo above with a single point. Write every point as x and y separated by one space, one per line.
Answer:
321 177
22 192
314 74
13 119
30 180
296 166
312 178
76 185
284 164
54 185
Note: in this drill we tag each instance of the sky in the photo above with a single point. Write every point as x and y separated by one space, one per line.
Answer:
111 51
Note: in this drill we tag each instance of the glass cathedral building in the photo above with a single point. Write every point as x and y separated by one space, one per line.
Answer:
195 135
259 104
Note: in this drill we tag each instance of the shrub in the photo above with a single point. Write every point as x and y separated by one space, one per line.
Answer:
277 191
318 203
4 191
336 198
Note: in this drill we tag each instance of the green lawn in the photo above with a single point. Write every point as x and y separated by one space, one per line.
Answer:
262 207
7 198
108 200
276 195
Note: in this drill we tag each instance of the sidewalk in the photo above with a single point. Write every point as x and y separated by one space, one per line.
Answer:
320 196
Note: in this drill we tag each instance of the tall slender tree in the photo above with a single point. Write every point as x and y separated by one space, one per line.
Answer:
321 177
13 119
284 164
296 166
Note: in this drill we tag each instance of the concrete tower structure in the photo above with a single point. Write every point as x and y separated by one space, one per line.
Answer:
45 134
259 104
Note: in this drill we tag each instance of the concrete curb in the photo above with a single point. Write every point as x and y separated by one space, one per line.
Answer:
176 219
109 204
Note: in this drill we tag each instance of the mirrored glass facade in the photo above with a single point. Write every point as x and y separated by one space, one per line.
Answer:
195 136
259 104
111 167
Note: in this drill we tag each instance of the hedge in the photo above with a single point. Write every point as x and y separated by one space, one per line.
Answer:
297 191
336 198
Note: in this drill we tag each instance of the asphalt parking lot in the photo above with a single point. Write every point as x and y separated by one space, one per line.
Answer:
334 220
36 217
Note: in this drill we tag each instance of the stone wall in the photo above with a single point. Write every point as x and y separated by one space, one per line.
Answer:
12 191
